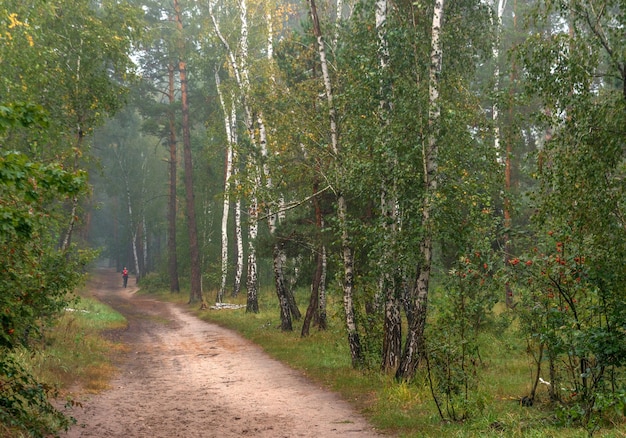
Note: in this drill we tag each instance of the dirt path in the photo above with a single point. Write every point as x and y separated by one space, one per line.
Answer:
183 377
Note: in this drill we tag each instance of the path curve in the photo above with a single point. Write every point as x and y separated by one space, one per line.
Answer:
184 377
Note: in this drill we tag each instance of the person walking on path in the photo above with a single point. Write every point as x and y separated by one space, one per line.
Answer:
125 276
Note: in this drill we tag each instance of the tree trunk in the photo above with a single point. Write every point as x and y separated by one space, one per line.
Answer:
322 322
354 340
507 175
318 286
418 301
67 240
240 72
313 308
495 116
281 291
392 322
230 145
172 263
239 246
129 207
195 295
252 285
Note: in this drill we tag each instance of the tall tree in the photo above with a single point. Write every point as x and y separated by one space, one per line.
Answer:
195 294
172 260
354 340
418 301
230 126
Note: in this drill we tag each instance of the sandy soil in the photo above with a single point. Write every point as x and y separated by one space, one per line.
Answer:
183 377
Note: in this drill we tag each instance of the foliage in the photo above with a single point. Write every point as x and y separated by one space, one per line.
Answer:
572 270
36 281
24 403
62 66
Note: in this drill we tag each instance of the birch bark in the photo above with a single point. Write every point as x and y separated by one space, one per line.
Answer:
230 144
354 340
418 301
129 208
240 72
392 323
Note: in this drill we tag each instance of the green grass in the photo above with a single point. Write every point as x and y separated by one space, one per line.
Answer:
75 354
407 410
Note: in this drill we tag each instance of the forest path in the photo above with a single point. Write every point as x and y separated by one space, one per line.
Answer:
183 377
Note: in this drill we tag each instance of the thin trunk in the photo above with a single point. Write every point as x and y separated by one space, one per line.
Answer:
507 175
500 5
314 299
316 312
281 291
133 227
172 263
392 322
252 285
129 207
239 246
144 229
67 240
414 347
195 295
230 144
144 242
279 252
240 72
238 230
354 340
322 322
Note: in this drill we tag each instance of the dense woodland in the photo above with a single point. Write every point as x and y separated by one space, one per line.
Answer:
423 163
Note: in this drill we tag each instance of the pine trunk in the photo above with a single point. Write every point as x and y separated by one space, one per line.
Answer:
172 263
195 294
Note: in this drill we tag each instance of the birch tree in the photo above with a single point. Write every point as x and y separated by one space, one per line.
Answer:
230 126
418 300
239 70
390 282
354 340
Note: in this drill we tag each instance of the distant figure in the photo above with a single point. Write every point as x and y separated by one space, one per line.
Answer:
125 276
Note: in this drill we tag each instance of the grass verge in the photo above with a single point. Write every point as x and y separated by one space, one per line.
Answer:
74 354
402 409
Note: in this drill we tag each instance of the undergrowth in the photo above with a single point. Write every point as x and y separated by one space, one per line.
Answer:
407 409
72 354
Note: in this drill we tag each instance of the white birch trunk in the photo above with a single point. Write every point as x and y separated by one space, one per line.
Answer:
144 234
495 114
228 124
238 228
252 278
239 246
240 72
342 207
129 207
144 242
392 322
134 230
414 346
